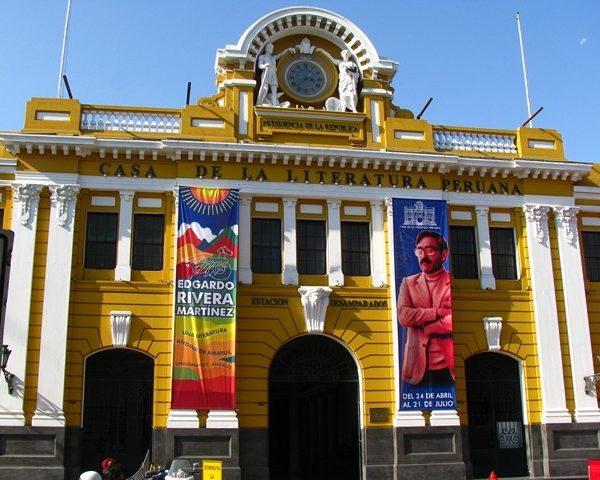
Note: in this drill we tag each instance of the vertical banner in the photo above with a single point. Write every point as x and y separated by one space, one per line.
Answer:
205 299
424 303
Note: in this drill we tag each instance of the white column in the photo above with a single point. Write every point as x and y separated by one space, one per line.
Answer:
290 272
488 282
123 269
554 408
55 312
406 418
580 342
16 328
378 253
179 418
245 238
334 244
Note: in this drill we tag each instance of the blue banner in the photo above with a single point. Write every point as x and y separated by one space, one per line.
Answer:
424 304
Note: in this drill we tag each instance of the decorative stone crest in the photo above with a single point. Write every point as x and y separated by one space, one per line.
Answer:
567 217
26 195
493 329
315 301
120 324
63 195
538 215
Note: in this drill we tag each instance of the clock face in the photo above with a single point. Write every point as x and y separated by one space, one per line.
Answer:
305 78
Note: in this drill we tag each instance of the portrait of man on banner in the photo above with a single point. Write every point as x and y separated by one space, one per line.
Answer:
424 305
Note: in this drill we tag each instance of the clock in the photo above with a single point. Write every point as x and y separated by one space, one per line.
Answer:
305 78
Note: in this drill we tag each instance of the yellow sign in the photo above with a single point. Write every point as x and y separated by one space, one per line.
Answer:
212 470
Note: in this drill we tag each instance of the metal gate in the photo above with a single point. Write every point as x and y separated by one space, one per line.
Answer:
496 433
117 415
313 412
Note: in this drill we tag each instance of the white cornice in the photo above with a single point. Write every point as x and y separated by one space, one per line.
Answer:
348 158
8 165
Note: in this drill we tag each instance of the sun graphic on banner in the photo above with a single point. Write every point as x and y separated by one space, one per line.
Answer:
209 201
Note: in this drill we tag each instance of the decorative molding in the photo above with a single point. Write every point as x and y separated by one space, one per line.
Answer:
222 419
493 330
538 215
63 195
183 419
26 194
389 205
567 217
120 325
315 301
482 211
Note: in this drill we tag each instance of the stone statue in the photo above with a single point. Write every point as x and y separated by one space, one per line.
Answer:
267 62
348 81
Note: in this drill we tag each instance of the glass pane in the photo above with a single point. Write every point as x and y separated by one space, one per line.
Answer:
356 248
101 240
463 252
504 258
148 241
591 253
266 245
311 242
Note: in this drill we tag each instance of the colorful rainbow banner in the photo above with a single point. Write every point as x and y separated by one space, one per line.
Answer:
205 299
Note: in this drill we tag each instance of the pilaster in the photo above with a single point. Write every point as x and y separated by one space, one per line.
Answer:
290 272
123 269
16 329
55 312
580 350
378 252
245 239
488 282
554 409
334 240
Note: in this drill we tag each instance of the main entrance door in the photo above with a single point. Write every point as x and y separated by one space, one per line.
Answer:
496 433
117 414
313 412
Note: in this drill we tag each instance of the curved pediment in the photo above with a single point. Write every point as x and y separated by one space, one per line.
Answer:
310 21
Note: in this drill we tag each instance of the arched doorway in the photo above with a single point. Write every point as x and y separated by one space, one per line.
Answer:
117 413
313 411
496 433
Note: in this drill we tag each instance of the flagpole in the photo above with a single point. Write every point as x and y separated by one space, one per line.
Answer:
524 69
63 56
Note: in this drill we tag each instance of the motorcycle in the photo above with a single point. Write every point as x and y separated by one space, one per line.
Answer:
180 469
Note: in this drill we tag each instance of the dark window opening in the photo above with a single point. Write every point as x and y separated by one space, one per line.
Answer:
148 241
504 256
266 245
463 252
591 255
101 241
311 247
356 249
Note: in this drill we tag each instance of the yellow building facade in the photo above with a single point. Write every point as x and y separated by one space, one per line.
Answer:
317 369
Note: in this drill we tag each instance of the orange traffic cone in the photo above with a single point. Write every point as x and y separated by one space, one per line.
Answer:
493 475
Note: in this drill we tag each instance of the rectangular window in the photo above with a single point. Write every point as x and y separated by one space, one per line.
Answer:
356 249
312 246
148 241
504 255
101 241
463 252
591 254
266 245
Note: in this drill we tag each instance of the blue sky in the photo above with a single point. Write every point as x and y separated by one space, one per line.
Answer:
464 54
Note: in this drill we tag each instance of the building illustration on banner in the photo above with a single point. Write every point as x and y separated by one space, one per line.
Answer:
296 278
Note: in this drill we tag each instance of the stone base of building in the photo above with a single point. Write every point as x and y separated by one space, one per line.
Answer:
561 450
35 453
554 451
196 444
429 452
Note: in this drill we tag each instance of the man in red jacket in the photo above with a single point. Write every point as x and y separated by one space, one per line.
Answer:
425 309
